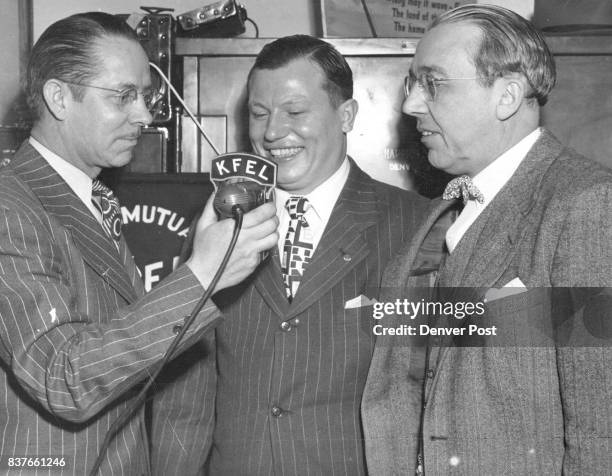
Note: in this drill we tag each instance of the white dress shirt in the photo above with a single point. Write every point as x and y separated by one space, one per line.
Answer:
77 180
322 201
489 181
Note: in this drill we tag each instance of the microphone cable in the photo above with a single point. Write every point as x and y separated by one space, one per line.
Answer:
185 108
238 214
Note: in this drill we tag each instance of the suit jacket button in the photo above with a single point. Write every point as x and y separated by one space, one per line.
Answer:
430 373
277 412
347 257
285 326
176 329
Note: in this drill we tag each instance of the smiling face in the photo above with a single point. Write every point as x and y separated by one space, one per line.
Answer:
97 131
293 122
459 127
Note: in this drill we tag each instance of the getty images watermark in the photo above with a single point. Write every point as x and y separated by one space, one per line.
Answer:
413 309
474 317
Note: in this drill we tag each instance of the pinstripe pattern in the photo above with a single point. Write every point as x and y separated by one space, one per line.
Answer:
308 358
71 346
183 412
509 410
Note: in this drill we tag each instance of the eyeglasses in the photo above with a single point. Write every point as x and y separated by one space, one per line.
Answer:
128 96
427 84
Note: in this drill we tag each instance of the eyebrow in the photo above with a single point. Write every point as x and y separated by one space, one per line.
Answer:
124 86
288 102
255 104
430 69
297 100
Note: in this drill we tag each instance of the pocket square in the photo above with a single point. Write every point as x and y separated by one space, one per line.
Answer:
515 286
359 301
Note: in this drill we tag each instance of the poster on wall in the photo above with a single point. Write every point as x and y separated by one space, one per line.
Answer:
381 18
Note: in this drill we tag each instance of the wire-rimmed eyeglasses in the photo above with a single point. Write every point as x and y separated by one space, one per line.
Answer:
127 96
427 84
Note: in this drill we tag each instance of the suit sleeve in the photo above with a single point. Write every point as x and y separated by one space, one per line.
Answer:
183 411
584 258
75 357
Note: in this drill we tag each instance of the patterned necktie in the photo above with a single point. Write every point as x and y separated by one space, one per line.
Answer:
462 187
298 247
108 205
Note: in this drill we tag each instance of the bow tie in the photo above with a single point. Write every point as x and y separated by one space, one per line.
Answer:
462 187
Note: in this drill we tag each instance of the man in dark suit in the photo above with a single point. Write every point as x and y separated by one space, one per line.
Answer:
77 332
293 354
533 397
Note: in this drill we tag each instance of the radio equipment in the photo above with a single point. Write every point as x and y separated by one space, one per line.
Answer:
219 19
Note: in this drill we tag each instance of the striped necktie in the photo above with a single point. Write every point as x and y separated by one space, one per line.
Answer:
105 201
298 246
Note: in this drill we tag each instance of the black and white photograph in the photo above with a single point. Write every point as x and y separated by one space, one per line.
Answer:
306 237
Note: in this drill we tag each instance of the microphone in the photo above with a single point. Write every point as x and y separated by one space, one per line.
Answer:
241 180
246 195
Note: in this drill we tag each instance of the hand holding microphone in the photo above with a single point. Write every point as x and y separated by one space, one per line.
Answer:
212 238
244 185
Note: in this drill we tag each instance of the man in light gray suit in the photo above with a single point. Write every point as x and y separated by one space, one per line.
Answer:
536 224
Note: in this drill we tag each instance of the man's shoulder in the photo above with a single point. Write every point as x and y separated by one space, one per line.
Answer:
572 173
13 188
15 192
391 196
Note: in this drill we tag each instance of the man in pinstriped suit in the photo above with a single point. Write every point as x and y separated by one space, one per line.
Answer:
292 364
77 332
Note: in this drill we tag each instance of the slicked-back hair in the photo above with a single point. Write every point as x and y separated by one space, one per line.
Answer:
509 44
67 51
338 75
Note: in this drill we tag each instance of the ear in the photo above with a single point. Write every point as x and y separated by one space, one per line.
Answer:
55 95
348 111
512 95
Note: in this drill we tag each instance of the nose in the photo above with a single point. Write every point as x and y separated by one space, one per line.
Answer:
276 127
140 113
415 103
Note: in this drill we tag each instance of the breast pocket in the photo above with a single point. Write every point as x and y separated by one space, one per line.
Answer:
522 319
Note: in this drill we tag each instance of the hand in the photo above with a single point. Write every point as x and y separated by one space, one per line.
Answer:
212 240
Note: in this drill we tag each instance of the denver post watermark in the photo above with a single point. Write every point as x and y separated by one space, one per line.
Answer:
475 317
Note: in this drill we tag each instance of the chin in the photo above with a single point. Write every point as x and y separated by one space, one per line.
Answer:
122 159
440 161
291 172
286 182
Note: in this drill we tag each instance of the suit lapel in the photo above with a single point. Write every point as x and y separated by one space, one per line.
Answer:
270 285
130 267
343 245
61 202
424 252
486 251
341 248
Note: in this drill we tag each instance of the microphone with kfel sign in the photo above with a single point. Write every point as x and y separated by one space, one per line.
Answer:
241 179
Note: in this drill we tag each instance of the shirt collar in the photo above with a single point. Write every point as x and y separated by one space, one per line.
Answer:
78 180
494 176
323 198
